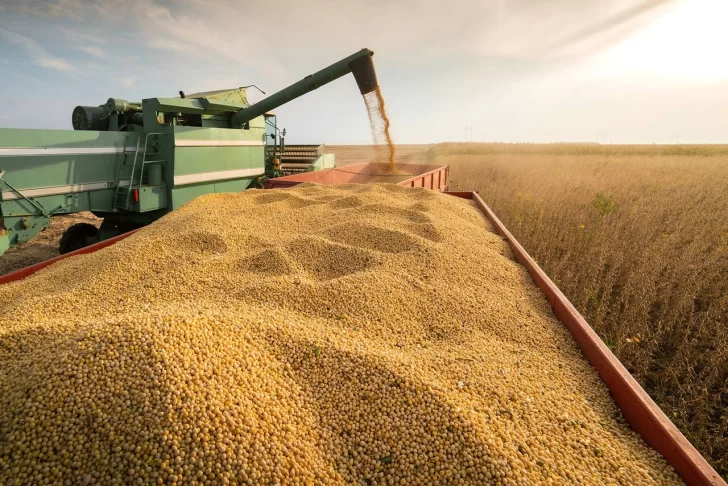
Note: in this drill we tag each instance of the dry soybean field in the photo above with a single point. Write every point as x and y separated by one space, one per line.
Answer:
637 238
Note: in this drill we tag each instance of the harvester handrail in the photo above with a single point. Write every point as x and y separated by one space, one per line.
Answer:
118 177
144 159
133 168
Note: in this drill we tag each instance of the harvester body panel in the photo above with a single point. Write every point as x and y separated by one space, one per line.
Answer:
51 172
129 178
231 161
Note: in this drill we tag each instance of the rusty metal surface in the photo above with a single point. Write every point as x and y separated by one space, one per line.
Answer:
410 175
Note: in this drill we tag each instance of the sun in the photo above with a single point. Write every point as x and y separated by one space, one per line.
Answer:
686 44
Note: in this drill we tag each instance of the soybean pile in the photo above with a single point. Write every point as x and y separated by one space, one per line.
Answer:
317 335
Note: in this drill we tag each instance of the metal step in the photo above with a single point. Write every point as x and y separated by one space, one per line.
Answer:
121 197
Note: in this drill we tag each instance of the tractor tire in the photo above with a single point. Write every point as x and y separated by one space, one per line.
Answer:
76 237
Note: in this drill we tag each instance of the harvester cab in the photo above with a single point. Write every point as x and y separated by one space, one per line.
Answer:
132 162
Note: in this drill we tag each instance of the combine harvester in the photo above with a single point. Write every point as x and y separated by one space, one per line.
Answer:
162 153
131 163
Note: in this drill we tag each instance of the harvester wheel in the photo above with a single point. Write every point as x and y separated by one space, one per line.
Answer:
111 228
76 237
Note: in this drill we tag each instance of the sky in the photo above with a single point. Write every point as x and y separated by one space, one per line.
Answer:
617 71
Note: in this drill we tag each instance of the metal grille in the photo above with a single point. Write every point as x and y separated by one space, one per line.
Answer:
296 158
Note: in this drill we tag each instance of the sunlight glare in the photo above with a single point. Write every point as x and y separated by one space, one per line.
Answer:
687 44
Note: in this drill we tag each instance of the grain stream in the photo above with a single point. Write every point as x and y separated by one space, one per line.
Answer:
379 127
320 334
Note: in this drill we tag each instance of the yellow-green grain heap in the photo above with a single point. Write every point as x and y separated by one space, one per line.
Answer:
317 335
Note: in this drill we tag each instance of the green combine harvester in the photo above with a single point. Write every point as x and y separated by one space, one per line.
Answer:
131 163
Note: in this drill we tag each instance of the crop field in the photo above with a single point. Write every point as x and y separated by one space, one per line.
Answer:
637 238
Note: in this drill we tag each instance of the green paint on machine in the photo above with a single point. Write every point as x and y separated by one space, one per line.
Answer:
132 162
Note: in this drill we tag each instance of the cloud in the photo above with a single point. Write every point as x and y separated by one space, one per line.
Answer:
92 51
55 63
529 30
167 29
618 24
40 56
413 30
81 37
65 8
129 82
72 9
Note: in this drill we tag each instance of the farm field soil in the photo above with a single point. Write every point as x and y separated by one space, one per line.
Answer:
45 245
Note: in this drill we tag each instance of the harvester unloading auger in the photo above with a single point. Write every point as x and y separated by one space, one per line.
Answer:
131 163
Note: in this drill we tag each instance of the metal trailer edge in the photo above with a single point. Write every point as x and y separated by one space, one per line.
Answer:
420 175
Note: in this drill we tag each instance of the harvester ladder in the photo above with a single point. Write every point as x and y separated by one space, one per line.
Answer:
133 167
145 161
121 176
